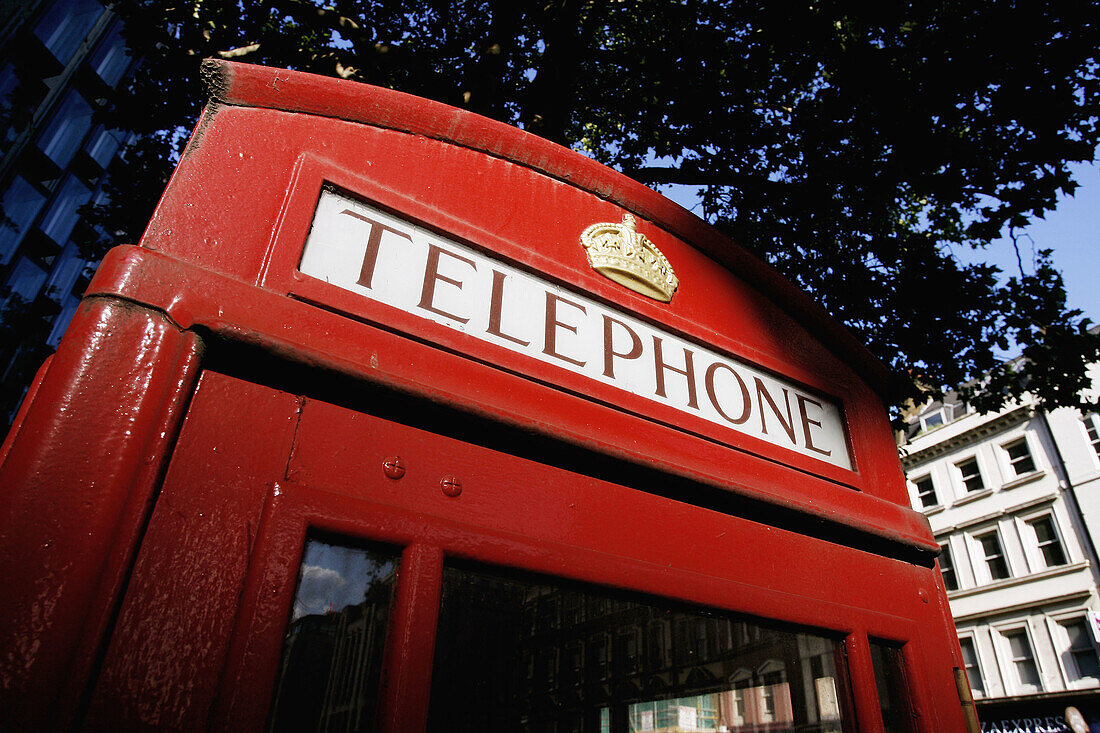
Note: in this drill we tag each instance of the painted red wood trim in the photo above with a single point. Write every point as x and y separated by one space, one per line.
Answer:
192 296
410 646
86 470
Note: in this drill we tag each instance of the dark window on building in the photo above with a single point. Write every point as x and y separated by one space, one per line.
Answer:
1023 660
65 132
994 555
971 475
1081 649
973 669
63 214
1047 539
65 25
110 58
1019 457
926 492
947 567
21 204
1092 429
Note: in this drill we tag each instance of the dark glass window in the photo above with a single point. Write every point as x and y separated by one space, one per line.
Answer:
768 677
973 669
1019 457
64 134
102 145
994 555
1023 659
947 567
110 58
893 688
1081 649
59 220
65 24
332 653
926 492
971 476
1093 432
21 204
1047 539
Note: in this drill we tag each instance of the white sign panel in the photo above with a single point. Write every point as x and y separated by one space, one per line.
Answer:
376 255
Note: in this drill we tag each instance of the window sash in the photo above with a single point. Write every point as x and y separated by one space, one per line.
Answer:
1023 659
926 492
1019 457
994 555
947 568
971 475
1046 538
973 668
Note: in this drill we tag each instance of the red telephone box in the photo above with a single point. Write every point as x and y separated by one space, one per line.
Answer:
400 418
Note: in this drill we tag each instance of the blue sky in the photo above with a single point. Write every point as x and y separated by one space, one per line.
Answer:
1073 231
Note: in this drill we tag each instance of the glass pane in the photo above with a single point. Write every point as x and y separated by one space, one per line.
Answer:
110 58
21 204
65 25
893 690
332 654
531 654
65 132
1082 650
62 216
973 671
1026 671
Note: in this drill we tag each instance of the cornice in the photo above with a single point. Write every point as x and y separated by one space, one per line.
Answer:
977 433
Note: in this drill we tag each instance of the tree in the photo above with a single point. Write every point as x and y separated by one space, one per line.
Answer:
855 147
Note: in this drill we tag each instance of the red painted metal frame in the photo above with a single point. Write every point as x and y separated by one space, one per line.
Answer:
149 579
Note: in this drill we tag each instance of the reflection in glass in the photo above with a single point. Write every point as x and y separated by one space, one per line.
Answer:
332 654
518 654
893 690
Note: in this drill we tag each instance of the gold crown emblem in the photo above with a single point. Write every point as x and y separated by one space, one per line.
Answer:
620 252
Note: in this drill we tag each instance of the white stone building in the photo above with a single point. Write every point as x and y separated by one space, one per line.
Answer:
1011 498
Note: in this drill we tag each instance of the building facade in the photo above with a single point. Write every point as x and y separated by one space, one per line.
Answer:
1010 497
59 62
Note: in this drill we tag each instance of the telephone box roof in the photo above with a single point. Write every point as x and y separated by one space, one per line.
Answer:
247 85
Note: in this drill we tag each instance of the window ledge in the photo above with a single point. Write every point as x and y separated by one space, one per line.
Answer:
973 496
934 509
1027 478
1018 580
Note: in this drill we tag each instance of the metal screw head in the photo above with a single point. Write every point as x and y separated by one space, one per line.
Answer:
451 486
393 467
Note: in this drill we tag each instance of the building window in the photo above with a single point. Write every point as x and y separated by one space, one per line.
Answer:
947 567
1081 650
21 204
26 280
994 555
1046 539
926 492
110 58
970 662
1023 661
63 214
971 475
1092 428
65 25
65 133
102 145
932 420
1019 457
